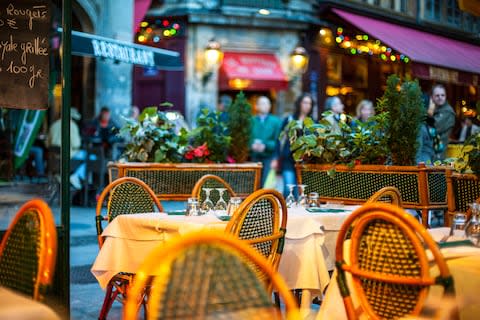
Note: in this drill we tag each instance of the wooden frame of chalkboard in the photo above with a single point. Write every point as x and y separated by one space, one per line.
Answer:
24 53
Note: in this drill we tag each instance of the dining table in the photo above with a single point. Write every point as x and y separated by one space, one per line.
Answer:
14 305
305 263
463 261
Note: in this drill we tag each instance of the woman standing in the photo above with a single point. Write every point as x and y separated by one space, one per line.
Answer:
303 108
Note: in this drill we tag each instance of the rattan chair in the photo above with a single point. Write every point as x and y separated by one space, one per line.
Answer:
207 276
125 195
29 249
211 181
387 194
388 263
261 221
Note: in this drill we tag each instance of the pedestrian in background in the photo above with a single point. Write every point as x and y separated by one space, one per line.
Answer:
303 107
265 132
444 116
335 105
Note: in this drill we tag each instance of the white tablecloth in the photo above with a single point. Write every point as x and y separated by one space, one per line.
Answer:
464 265
129 239
16 306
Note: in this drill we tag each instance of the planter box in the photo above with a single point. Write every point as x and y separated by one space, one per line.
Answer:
422 188
175 181
462 189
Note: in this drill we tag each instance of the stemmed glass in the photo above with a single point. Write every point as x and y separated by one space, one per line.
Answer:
221 204
207 204
302 199
290 199
472 229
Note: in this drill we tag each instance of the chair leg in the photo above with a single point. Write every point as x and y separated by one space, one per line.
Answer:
107 302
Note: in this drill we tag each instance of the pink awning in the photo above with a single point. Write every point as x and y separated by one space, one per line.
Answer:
141 8
251 71
419 46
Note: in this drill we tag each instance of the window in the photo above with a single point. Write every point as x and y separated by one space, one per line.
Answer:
267 4
433 10
454 16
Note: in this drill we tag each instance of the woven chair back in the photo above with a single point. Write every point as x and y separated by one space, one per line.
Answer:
387 261
387 195
207 276
125 195
213 182
28 250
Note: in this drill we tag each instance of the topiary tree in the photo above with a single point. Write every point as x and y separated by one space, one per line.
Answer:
239 125
403 102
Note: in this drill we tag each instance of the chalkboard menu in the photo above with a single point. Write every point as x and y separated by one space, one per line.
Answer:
24 53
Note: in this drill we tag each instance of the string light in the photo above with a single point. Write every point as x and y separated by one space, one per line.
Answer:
362 44
159 29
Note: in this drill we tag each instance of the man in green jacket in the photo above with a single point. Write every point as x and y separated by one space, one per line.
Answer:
265 132
444 116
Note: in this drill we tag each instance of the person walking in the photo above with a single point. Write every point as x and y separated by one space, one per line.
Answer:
303 108
444 116
265 132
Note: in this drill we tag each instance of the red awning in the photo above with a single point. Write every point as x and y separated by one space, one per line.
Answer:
251 71
419 46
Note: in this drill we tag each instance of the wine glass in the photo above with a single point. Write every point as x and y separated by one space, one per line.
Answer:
207 204
472 230
302 199
192 207
221 204
290 199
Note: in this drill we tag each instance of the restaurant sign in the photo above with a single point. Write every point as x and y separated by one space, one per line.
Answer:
104 49
91 45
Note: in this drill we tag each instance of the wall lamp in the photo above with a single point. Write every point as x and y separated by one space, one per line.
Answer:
298 60
212 58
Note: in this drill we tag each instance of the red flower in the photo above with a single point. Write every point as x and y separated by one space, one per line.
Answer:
189 155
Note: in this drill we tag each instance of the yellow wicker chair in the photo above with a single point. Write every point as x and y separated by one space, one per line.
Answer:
207 276
388 263
387 194
29 249
211 181
261 221
125 195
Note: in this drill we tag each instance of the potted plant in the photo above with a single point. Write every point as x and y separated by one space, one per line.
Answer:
239 124
171 161
352 165
463 184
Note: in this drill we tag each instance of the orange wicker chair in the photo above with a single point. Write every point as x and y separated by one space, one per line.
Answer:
388 262
387 194
29 249
261 221
126 195
207 276
211 181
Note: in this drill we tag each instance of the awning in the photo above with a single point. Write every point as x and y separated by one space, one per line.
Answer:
140 9
419 46
251 71
85 44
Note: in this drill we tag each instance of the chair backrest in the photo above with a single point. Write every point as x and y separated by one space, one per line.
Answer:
126 195
261 220
211 181
387 194
385 253
206 276
29 249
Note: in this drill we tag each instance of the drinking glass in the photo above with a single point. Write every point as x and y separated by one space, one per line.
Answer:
472 229
221 204
313 200
302 199
233 205
290 199
192 207
207 204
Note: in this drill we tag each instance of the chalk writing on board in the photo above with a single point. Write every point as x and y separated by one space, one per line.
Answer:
24 53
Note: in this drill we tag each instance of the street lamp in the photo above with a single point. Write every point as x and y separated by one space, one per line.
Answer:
298 60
